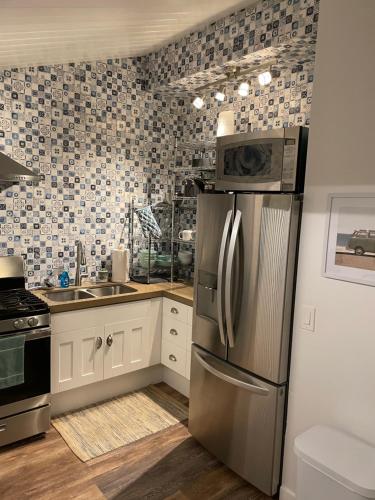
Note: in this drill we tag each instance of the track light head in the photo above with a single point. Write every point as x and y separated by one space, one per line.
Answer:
265 78
243 89
220 96
198 102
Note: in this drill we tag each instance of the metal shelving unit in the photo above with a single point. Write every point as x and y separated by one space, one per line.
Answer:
152 273
179 271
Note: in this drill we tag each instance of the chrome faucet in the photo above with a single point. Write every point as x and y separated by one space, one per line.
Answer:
80 262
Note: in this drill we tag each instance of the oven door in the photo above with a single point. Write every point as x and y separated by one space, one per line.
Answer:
251 162
34 391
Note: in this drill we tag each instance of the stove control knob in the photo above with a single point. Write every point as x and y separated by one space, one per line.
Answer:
33 321
19 323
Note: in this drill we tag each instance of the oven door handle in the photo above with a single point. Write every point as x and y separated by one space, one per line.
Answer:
37 333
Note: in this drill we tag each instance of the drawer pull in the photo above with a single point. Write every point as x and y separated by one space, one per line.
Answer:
174 332
172 357
174 310
3 428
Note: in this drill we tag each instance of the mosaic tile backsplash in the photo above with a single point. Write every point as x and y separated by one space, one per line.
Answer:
101 133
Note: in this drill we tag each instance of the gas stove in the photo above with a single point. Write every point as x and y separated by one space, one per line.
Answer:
25 327
21 310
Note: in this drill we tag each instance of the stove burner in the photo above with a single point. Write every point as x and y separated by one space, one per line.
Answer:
19 302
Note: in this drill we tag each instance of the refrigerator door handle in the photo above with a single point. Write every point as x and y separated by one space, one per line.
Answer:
228 277
220 271
231 380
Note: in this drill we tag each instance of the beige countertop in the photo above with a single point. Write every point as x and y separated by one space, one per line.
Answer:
176 291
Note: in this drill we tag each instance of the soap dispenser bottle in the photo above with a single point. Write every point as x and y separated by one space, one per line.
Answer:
64 279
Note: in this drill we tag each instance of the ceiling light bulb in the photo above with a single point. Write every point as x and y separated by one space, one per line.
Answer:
198 103
243 89
220 96
265 78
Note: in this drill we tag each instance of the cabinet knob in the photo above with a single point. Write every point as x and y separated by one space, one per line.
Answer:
99 342
172 331
109 340
174 310
172 357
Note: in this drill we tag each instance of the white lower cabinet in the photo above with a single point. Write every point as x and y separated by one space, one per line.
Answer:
76 359
173 357
99 343
176 337
126 347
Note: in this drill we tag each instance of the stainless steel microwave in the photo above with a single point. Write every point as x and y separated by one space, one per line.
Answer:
272 160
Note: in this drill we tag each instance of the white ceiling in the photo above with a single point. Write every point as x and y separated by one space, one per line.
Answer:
35 32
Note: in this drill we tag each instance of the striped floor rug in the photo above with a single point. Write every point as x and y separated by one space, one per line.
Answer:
103 427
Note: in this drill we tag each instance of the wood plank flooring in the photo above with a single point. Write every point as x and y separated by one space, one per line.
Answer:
167 465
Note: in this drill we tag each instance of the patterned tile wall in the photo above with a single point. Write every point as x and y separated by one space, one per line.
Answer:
99 134
268 23
98 138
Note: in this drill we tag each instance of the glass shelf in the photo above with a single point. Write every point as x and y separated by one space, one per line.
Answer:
184 198
183 242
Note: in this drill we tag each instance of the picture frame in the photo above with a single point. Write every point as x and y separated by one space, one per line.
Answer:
350 238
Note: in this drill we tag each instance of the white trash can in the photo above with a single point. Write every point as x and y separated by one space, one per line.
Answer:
333 465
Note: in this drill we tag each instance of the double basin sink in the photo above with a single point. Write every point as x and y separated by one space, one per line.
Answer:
89 293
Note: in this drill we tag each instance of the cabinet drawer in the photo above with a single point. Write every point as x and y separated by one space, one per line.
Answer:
175 310
189 337
188 363
190 316
175 331
173 357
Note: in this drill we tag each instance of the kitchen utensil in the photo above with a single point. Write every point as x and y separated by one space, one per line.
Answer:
189 188
143 258
187 235
185 257
164 260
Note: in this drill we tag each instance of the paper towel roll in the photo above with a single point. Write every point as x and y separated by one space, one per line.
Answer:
225 123
120 265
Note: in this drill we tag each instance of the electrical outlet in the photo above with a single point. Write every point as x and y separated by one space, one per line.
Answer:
308 318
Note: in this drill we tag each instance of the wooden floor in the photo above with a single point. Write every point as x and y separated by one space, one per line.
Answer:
167 465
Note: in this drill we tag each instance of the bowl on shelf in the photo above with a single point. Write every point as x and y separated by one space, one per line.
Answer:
164 260
185 257
143 258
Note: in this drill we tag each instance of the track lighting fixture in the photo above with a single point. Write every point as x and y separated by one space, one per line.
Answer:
220 96
235 75
243 89
198 103
265 78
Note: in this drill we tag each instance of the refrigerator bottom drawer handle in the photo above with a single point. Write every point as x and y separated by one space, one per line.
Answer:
231 380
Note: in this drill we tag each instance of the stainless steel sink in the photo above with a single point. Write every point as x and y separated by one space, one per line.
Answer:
89 293
109 290
68 295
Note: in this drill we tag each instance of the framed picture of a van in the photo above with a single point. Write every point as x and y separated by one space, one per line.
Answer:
350 241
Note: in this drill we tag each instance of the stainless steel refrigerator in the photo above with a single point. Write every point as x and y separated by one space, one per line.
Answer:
243 296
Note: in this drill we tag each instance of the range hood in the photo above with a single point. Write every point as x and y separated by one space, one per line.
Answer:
12 172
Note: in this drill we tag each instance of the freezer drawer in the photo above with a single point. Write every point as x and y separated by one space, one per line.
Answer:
238 418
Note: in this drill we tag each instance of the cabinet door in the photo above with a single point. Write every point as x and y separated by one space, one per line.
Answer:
77 358
126 346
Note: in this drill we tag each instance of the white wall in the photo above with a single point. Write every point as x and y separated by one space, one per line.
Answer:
333 369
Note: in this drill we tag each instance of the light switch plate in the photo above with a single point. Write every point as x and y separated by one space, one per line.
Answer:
308 317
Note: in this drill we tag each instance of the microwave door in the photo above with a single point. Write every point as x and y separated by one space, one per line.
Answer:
214 222
258 322
253 165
